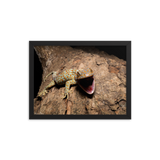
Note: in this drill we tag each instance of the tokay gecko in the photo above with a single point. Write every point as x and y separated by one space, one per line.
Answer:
84 78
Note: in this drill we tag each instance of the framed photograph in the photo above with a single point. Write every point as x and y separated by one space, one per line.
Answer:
80 80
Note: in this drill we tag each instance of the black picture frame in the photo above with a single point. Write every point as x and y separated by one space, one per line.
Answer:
127 44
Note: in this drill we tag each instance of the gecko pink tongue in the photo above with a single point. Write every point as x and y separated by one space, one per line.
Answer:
87 84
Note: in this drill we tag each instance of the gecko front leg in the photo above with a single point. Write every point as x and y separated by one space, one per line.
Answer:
67 86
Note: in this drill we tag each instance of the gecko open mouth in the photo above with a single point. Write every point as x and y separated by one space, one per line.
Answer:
87 84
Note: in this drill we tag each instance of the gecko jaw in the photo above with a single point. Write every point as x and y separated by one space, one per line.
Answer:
87 84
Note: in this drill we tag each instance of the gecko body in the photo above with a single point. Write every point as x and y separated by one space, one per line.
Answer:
85 79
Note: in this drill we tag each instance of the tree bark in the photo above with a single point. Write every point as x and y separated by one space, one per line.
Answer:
110 82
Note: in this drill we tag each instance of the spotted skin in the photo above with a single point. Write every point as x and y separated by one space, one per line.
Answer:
67 77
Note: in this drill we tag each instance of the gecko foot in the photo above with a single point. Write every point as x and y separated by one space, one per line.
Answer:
63 97
42 93
66 94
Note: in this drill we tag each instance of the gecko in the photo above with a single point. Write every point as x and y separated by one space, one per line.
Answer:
84 78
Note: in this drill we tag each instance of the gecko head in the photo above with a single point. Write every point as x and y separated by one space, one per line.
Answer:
85 79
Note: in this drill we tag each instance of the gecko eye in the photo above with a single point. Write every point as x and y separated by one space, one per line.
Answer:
79 73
